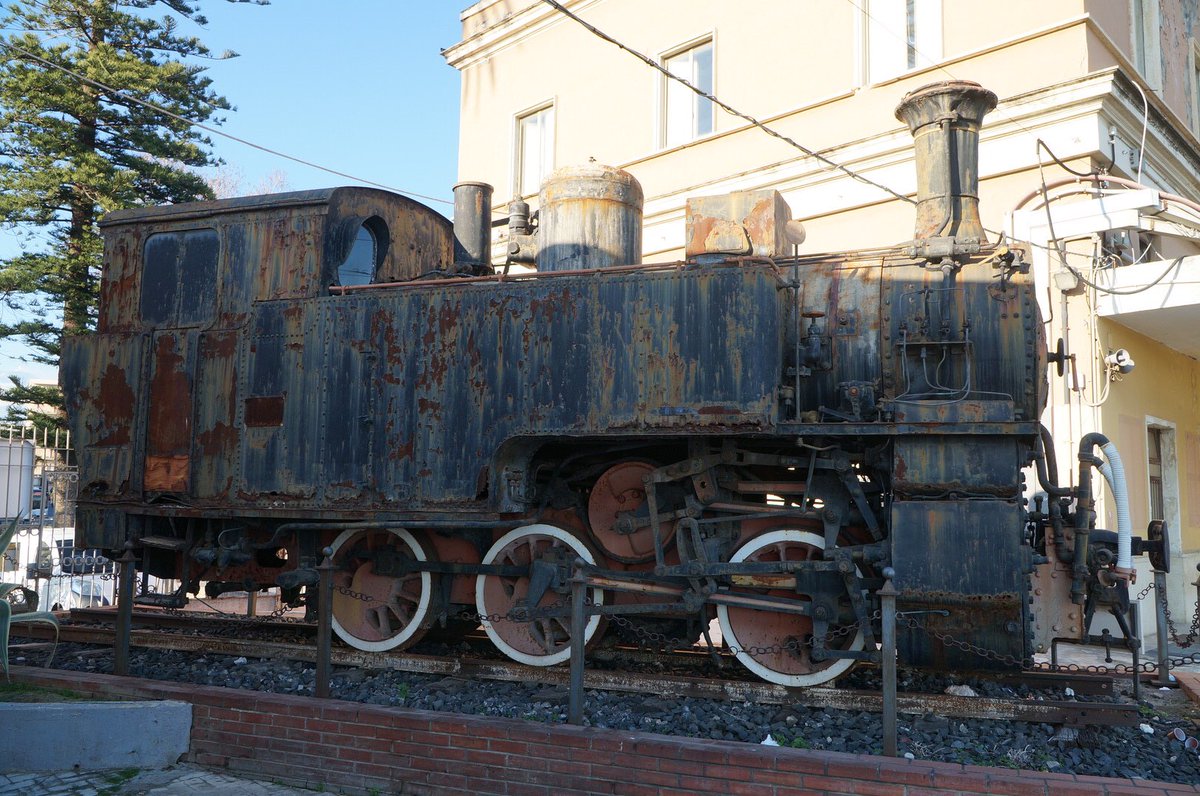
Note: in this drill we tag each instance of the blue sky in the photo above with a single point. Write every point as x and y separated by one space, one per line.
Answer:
358 86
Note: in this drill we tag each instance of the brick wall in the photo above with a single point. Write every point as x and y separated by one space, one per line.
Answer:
355 748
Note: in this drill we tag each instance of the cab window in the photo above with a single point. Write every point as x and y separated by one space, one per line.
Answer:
179 274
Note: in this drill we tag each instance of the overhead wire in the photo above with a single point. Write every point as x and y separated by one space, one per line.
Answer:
11 48
724 105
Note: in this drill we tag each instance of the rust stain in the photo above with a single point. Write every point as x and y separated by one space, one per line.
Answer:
217 440
167 473
169 420
116 407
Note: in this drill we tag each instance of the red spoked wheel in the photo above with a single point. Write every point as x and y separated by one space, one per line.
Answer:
375 612
541 642
776 646
615 497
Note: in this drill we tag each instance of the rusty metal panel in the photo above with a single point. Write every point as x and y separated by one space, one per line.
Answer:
462 369
838 304
347 394
215 446
939 552
120 280
270 256
168 425
101 377
936 465
958 340
1053 615
281 459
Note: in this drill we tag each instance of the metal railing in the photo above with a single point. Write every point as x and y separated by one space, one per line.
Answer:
39 486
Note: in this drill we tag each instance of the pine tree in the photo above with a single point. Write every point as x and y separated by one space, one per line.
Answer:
75 143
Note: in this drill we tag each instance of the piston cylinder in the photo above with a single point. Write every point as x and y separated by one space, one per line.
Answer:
589 217
944 119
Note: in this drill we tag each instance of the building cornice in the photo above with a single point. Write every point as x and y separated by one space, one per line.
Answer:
512 28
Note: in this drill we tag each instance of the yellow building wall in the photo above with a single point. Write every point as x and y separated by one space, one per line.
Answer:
1164 385
768 63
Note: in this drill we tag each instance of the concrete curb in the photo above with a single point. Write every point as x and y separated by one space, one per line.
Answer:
62 736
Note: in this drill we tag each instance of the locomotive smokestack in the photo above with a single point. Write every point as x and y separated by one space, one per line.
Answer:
944 119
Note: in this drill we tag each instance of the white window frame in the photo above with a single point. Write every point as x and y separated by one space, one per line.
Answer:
1194 72
881 30
1146 51
665 88
1170 479
519 188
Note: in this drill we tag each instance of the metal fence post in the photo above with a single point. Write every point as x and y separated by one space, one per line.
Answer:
578 628
324 622
887 597
1160 623
1135 647
124 611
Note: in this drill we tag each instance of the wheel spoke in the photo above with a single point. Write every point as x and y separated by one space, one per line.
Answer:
374 612
546 640
757 635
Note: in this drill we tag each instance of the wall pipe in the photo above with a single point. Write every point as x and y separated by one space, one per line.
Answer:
1114 473
1085 515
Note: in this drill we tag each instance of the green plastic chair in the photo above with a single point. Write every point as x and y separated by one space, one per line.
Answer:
7 618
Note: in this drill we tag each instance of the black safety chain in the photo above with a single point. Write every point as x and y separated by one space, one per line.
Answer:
354 595
1193 631
661 640
1190 639
278 614
513 616
649 638
1029 664
974 649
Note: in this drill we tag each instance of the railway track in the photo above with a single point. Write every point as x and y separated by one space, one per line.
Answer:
1067 713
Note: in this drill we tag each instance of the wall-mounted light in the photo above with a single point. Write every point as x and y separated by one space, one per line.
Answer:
1119 360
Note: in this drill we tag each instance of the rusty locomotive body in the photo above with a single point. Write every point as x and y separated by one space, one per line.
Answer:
747 435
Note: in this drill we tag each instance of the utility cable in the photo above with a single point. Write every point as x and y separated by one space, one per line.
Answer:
724 106
10 47
1131 291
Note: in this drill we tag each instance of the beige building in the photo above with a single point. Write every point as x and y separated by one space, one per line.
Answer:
1109 85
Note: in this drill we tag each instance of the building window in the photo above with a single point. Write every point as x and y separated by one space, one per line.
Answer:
535 149
686 115
1144 33
1162 470
1154 460
900 36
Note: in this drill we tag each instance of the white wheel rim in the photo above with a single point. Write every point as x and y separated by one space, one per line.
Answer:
420 613
836 668
597 595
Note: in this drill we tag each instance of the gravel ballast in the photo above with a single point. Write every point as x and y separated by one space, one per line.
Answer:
1100 751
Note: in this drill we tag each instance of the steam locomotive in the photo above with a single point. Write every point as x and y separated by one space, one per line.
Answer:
748 435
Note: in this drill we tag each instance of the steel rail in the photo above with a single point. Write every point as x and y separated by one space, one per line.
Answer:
1068 713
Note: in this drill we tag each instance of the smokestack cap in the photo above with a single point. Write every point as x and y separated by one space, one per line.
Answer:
965 99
